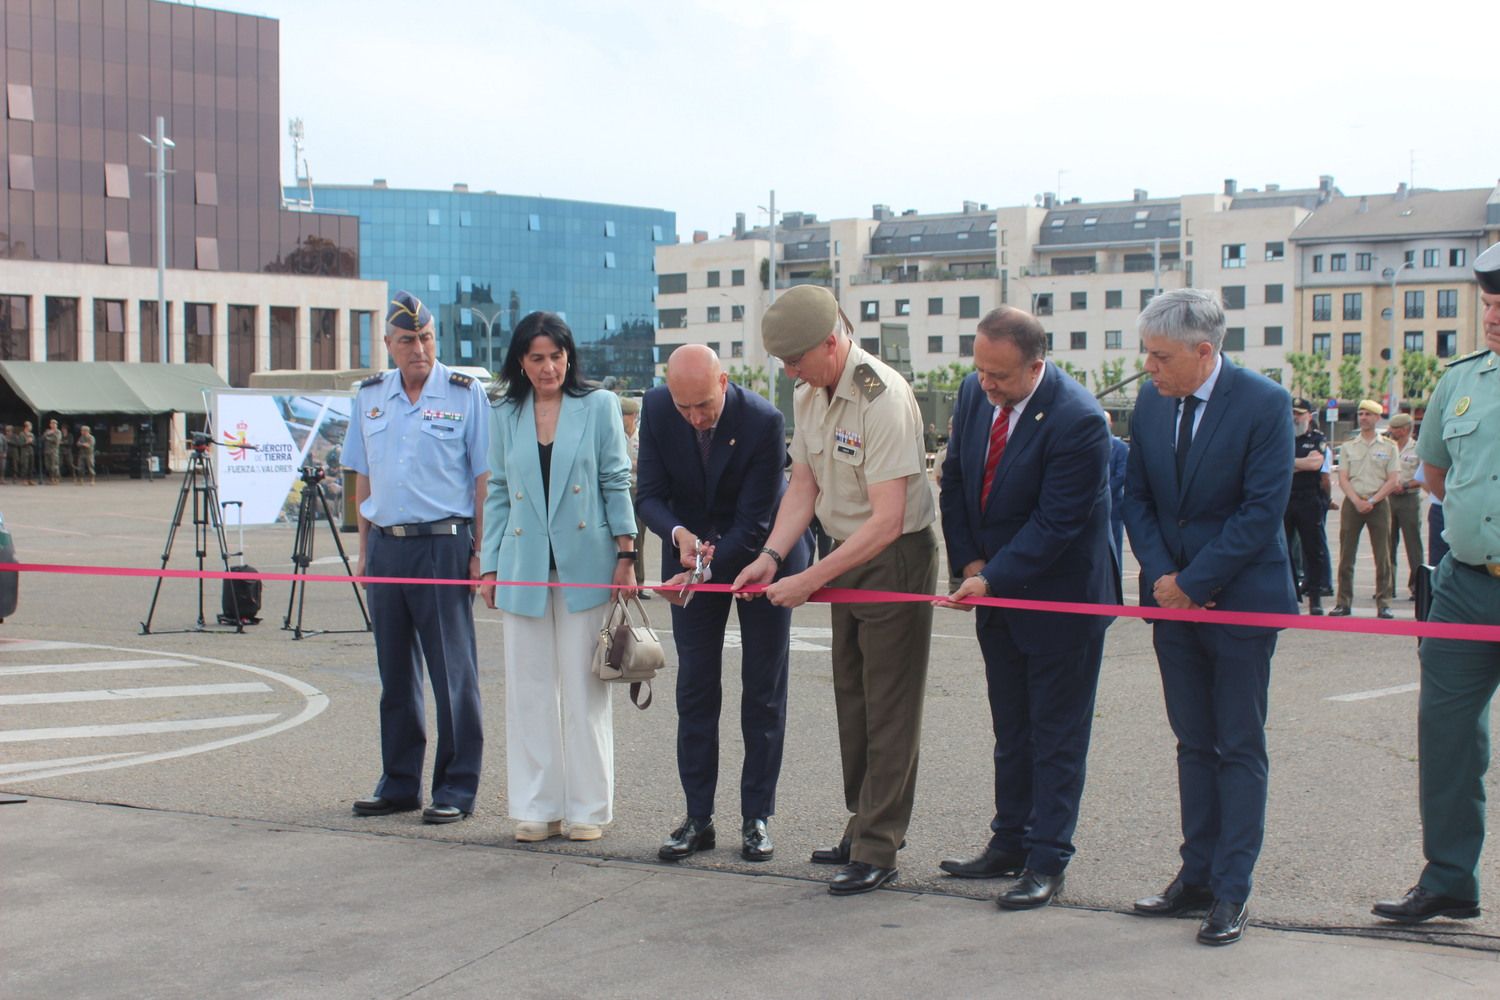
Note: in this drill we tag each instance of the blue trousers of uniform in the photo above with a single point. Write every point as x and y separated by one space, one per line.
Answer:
1215 682
698 631
413 623
1042 707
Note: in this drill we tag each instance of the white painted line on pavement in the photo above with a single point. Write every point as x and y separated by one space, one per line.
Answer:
70 668
37 765
128 694
1377 693
130 728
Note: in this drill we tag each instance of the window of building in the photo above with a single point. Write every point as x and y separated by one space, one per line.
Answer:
737 313
1432 257
1354 305
149 333
283 337
1447 303
1320 344
1317 263
1112 340
1415 304
934 344
1234 338
198 332
109 330
116 246
869 309
1273 336
434 216
1147 294
671 284
966 345
434 283
465 316
609 322
1447 343
323 327
62 328
712 345
656 236
534 223
1274 295
1457 257
713 314
361 330
934 307
1276 251
737 277
1057 223
671 319
1114 299
466 219
1232 255
1078 340
1410 257
968 307
1353 344
116 180
1078 300
206 187
206 249
1363 262
242 345
736 348
870 345
1234 296
903 307
466 285
18 102
1092 220
1322 307
713 279
609 258
1049 343
1412 341
609 229
1338 262
22 172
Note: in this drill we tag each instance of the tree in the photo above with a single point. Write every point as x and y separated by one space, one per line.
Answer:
1351 379
1419 375
1079 375
765 272
1310 375
753 379
1110 373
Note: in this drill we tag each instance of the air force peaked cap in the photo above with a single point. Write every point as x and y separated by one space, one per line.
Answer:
1487 270
408 313
800 320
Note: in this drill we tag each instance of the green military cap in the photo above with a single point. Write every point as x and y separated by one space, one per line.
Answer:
800 320
1401 420
630 404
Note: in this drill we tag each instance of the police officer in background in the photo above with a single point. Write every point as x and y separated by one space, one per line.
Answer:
858 462
1406 504
1306 505
1460 451
419 441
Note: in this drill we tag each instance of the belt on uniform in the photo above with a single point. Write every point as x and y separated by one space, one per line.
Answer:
447 526
1485 569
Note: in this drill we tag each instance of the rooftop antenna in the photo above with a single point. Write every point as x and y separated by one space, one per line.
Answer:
301 174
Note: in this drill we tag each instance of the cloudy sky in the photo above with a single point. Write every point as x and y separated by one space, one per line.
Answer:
702 107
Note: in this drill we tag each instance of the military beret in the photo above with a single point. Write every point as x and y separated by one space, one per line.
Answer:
1401 420
629 404
1487 270
800 320
1301 405
408 313
1370 406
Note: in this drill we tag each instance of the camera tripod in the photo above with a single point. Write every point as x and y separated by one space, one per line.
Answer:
197 483
313 499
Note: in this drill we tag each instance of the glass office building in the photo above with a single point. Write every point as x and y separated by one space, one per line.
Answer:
482 261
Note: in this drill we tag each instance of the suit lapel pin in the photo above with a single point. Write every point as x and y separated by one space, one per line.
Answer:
1039 416
731 442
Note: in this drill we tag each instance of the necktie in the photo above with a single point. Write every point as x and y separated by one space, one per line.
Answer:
998 432
1185 433
705 438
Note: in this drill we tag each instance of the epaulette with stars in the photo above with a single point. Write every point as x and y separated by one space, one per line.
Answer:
372 380
869 383
1468 357
460 379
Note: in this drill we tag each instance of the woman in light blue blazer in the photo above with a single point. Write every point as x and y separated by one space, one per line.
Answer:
558 508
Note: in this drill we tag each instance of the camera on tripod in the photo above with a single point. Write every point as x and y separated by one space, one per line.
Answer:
199 441
313 473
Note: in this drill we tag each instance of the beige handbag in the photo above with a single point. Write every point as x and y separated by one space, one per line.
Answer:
628 653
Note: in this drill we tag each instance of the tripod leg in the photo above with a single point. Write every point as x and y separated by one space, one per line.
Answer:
306 517
338 543
216 523
166 555
301 557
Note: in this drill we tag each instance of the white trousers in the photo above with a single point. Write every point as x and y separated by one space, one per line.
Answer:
559 730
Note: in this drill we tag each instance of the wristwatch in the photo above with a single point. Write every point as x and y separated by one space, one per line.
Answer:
623 555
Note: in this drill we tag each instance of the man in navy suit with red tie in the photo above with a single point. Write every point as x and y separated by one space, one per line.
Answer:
710 480
1026 514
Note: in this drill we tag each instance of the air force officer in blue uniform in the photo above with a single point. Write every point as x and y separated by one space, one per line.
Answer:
1026 514
418 438
1206 485
711 473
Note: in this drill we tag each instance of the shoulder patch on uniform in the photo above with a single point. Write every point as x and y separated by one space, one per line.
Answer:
1468 357
458 378
372 380
868 382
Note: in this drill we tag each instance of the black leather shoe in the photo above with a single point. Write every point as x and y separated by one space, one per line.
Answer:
1224 923
1385 613
1421 904
757 841
377 806
836 855
1339 611
440 812
692 836
1176 898
857 877
991 864
1034 890
1315 609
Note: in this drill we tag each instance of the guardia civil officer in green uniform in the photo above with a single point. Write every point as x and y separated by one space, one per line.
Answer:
419 440
1460 452
858 463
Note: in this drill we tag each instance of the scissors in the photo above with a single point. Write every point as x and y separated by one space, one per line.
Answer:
700 569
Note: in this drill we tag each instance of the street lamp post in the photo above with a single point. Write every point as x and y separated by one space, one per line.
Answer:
489 336
1393 373
161 144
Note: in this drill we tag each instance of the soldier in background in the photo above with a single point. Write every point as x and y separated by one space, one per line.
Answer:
83 455
52 439
26 471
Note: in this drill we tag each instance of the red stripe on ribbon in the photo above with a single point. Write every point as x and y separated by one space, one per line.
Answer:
844 595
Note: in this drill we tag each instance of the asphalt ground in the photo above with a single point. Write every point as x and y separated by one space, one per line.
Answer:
1342 826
